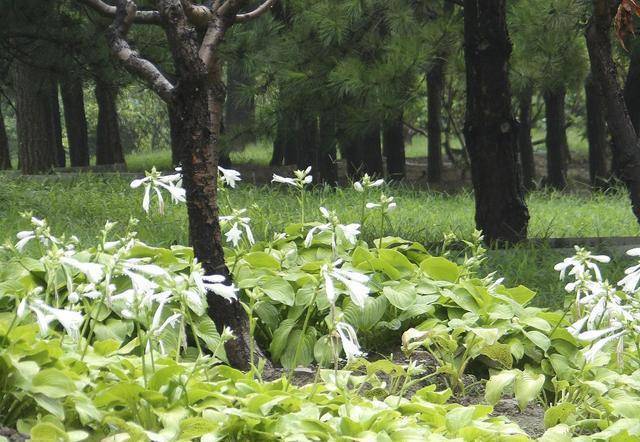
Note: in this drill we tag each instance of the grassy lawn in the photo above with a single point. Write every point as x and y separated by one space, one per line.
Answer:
81 205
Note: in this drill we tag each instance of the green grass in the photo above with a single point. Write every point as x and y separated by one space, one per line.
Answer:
81 205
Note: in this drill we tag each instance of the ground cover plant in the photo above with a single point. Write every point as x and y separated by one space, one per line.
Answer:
111 339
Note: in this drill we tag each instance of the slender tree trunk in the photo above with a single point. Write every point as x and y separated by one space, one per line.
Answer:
626 148
525 145
36 152
277 156
596 134
632 87
75 121
56 124
327 166
556 138
5 154
371 152
307 141
174 131
240 112
490 129
108 143
435 89
393 141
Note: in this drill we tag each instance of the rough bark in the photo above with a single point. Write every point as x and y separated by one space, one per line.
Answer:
393 142
525 145
5 154
108 143
56 124
435 90
596 134
174 128
75 121
632 88
556 138
239 111
625 146
33 119
490 128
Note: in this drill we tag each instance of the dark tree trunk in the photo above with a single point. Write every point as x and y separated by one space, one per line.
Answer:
5 155
435 85
596 134
632 88
490 128
327 166
75 121
525 145
626 148
240 111
393 141
307 141
33 119
174 128
285 149
108 143
56 124
556 138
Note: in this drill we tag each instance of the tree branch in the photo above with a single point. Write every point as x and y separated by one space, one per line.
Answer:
198 15
116 37
109 11
256 12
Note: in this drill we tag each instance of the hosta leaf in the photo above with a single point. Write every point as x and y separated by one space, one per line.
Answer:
500 354
268 314
53 383
305 353
440 268
368 317
401 295
539 339
280 338
323 351
527 387
558 414
194 427
559 433
207 331
497 384
278 290
521 294
262 260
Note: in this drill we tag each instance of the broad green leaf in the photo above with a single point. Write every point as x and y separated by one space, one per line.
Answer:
278 290
304 344
53 383
527 387
440 268
539 339
400 294
262 260
280 338
323 351
558 414
497 384
521 294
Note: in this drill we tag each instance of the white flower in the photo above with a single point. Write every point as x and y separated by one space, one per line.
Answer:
21 311
24 237
234 235
350 231
283 180
156 181
141 285
354 282
313 231
358 186
215 284
367 183
349 340
71 321
229 176
94 272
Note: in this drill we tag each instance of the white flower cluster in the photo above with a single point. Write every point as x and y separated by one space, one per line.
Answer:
301 178
155 181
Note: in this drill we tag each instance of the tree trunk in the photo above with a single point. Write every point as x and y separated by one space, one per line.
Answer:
525 145
626 148
5 155
393 141
174 128
490 129
556 138
33 119
108 143
56 124
596 134
307 141
75 121
435 85
327 166
632 87
240 112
